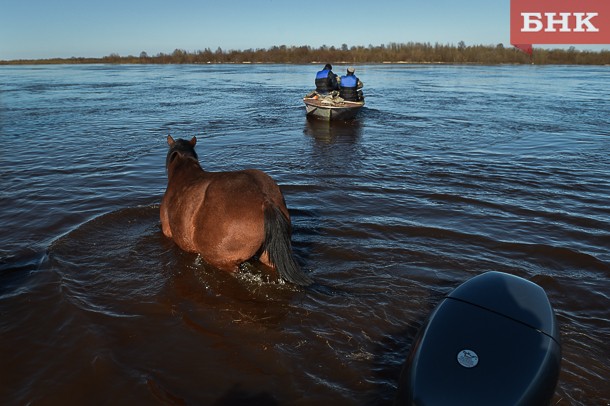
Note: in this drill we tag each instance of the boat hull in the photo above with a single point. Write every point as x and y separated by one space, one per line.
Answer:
321 109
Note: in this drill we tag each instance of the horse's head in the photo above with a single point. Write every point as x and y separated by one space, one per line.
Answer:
180 148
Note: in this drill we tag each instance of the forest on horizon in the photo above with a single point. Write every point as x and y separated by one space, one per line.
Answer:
411 52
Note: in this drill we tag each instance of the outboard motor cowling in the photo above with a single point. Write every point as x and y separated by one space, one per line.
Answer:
492 341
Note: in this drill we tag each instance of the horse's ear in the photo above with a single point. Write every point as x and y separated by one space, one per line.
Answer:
170 141
193 141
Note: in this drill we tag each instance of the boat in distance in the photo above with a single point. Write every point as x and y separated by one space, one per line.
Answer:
331 108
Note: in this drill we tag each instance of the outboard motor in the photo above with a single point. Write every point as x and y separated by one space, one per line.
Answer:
492 341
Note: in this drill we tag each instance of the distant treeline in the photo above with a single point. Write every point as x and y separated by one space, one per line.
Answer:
391 53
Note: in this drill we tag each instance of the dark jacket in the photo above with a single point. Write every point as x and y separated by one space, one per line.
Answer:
326 81
349 87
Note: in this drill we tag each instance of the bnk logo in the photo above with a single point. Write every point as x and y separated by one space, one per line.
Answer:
560 21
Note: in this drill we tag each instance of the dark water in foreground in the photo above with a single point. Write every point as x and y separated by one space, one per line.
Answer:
449 172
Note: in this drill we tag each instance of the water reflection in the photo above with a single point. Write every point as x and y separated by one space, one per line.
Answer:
331 132
336 148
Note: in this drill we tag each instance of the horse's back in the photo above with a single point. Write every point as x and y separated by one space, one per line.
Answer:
248 186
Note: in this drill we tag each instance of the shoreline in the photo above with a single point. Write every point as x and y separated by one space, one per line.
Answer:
392 53
339 63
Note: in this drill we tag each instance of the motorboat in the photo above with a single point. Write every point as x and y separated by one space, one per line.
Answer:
331 107
493 340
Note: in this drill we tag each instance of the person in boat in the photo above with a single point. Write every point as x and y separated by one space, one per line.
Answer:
350 86
326 80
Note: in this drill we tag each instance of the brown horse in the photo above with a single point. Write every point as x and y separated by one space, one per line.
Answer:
226 217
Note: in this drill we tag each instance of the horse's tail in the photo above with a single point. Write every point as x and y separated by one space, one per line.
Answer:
278 247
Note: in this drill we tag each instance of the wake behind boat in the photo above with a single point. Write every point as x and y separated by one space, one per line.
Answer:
331 107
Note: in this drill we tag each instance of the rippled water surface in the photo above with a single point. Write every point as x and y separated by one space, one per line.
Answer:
449 172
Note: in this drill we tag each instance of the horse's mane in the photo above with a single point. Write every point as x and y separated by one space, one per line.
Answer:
181 147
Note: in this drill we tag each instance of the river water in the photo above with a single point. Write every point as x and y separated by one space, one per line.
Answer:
449 172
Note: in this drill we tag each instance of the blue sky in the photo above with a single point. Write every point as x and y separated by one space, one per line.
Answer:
31 29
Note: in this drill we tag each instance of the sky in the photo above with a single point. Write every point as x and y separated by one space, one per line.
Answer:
38 29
